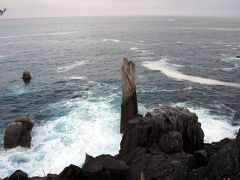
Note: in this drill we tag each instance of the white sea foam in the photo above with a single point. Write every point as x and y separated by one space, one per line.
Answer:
212 29
215 127
171 19
1 56
36 35
172 72
120 41
134 48
111 40
77 77
142 51
90 127
71 66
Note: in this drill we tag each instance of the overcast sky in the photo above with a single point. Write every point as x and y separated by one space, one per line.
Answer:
55 8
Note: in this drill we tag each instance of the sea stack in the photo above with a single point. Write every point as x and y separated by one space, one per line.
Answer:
129 109
18 133
26 76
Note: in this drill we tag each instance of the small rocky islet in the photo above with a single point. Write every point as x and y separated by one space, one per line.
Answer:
167 143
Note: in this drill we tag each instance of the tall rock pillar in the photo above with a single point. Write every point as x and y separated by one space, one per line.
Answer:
129 108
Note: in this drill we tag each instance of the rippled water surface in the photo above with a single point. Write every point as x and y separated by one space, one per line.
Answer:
75 94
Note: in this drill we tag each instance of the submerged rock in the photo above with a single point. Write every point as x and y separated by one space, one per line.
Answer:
129 109
26 75
18 133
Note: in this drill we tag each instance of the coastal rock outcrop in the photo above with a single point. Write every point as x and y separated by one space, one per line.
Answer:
18 175
26 75
159 165
129 108
168 129
18 133
105 167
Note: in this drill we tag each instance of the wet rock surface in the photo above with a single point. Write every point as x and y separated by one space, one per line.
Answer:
18 133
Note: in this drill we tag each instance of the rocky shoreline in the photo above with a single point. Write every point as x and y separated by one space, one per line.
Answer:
167 143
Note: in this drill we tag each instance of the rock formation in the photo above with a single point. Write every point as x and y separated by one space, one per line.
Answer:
168 129
18 133
237 56
166 144
129 109
26 76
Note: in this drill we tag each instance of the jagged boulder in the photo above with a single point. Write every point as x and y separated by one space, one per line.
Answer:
71 172
152 129
105 167
214 147
142 163
18 175
18 133
129 109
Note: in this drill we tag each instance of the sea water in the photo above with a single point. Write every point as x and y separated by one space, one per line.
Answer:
75 93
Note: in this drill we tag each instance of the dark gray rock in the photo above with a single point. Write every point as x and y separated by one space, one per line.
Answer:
157 166
105 167
12 134
71 172
18 133
146 132
19 175
201 157
237 56
129 109
171 142
214 147
26 76
197 174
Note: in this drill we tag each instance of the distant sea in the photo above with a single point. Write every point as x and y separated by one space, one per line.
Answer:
75 93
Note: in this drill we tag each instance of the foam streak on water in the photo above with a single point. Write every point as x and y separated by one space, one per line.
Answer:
71 66
172 72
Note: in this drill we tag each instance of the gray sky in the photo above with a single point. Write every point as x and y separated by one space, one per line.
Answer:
55 8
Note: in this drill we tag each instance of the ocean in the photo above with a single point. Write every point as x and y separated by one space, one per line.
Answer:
75 93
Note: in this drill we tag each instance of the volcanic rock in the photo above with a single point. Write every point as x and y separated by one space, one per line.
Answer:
71 172
157 128
26 75
129 109
18 133
105 167
18 175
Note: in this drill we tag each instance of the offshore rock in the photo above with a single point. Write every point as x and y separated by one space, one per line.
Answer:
129 109
18 133
237 56
26 75
105 167
162 125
